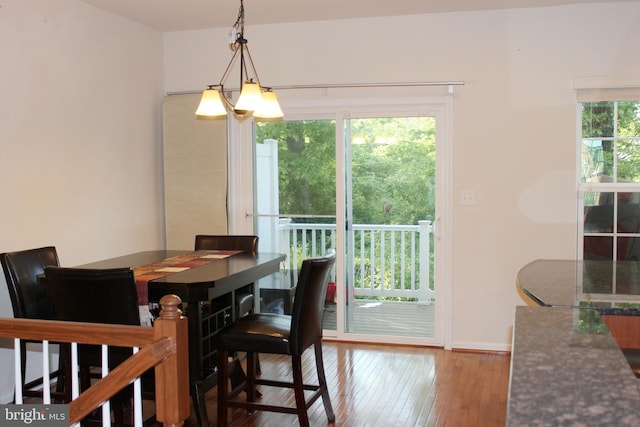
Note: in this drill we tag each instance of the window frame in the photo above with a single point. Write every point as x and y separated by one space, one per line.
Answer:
615 187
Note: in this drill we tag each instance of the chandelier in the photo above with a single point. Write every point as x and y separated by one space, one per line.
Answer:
254 100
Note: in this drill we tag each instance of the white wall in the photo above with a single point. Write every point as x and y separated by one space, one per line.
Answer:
513 121
80 136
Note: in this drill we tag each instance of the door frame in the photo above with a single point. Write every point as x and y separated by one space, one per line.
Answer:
240 197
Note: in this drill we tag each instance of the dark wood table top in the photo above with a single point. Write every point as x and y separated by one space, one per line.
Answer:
199 283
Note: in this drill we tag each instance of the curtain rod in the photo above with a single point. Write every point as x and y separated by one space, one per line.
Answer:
450 84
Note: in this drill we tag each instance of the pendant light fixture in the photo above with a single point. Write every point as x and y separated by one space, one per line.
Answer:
254 100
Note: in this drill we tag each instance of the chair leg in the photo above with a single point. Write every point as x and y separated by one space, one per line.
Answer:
322 381
298 388
199 405
223 387
251 377
85 377
63 386
118 408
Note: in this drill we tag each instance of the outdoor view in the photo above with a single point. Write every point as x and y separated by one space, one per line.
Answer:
610 132
390 203
610 160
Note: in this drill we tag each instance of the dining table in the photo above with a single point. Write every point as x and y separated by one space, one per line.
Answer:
208 283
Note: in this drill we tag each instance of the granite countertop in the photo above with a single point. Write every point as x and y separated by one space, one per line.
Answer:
567 370
611 287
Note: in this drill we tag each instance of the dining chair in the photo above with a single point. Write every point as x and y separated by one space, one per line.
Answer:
244 301
245 243
99 296
29 300
280 334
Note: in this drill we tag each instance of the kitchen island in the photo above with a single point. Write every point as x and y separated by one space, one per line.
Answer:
567 370
567 365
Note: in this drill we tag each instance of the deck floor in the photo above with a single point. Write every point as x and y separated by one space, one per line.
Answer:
386 318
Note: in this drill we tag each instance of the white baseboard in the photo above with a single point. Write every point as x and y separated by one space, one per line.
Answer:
460 345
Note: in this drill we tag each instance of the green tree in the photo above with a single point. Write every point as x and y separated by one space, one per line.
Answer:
306 165
600 120
393 170
393 167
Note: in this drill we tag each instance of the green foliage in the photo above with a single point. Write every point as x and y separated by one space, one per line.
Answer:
306 165
606 120
393 166
393 181
388 273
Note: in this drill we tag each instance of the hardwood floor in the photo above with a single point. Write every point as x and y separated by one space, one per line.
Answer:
383 385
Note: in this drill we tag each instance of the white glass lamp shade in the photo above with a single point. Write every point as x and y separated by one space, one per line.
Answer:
270 107
211 105
250 98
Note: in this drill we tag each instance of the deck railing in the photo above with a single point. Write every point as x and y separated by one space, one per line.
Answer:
387 260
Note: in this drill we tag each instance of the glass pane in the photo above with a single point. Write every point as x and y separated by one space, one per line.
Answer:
628 212
597 119
628 277
392 200
598 212
628 160
593 160
629 119
598 247
296 202
628 249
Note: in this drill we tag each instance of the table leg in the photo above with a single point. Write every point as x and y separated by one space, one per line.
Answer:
198 386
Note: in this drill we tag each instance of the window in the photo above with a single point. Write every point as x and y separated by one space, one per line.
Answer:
609 188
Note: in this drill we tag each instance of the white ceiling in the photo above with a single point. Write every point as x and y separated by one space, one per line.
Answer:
176 15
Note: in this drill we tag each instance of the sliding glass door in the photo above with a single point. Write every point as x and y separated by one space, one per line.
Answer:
296 198
362 184
390 208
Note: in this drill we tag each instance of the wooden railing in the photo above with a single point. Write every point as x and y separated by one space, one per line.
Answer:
163 347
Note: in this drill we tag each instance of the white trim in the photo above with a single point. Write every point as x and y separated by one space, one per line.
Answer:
341 233
356 106
240 177
480 346
444 222
606 82
240 195
604 89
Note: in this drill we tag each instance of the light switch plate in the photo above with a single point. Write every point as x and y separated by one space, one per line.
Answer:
468 197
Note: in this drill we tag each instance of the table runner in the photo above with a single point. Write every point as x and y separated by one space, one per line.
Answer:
143 274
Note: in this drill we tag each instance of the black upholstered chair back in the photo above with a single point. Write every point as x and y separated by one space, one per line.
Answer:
244 243
28 294
95 296
308 305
